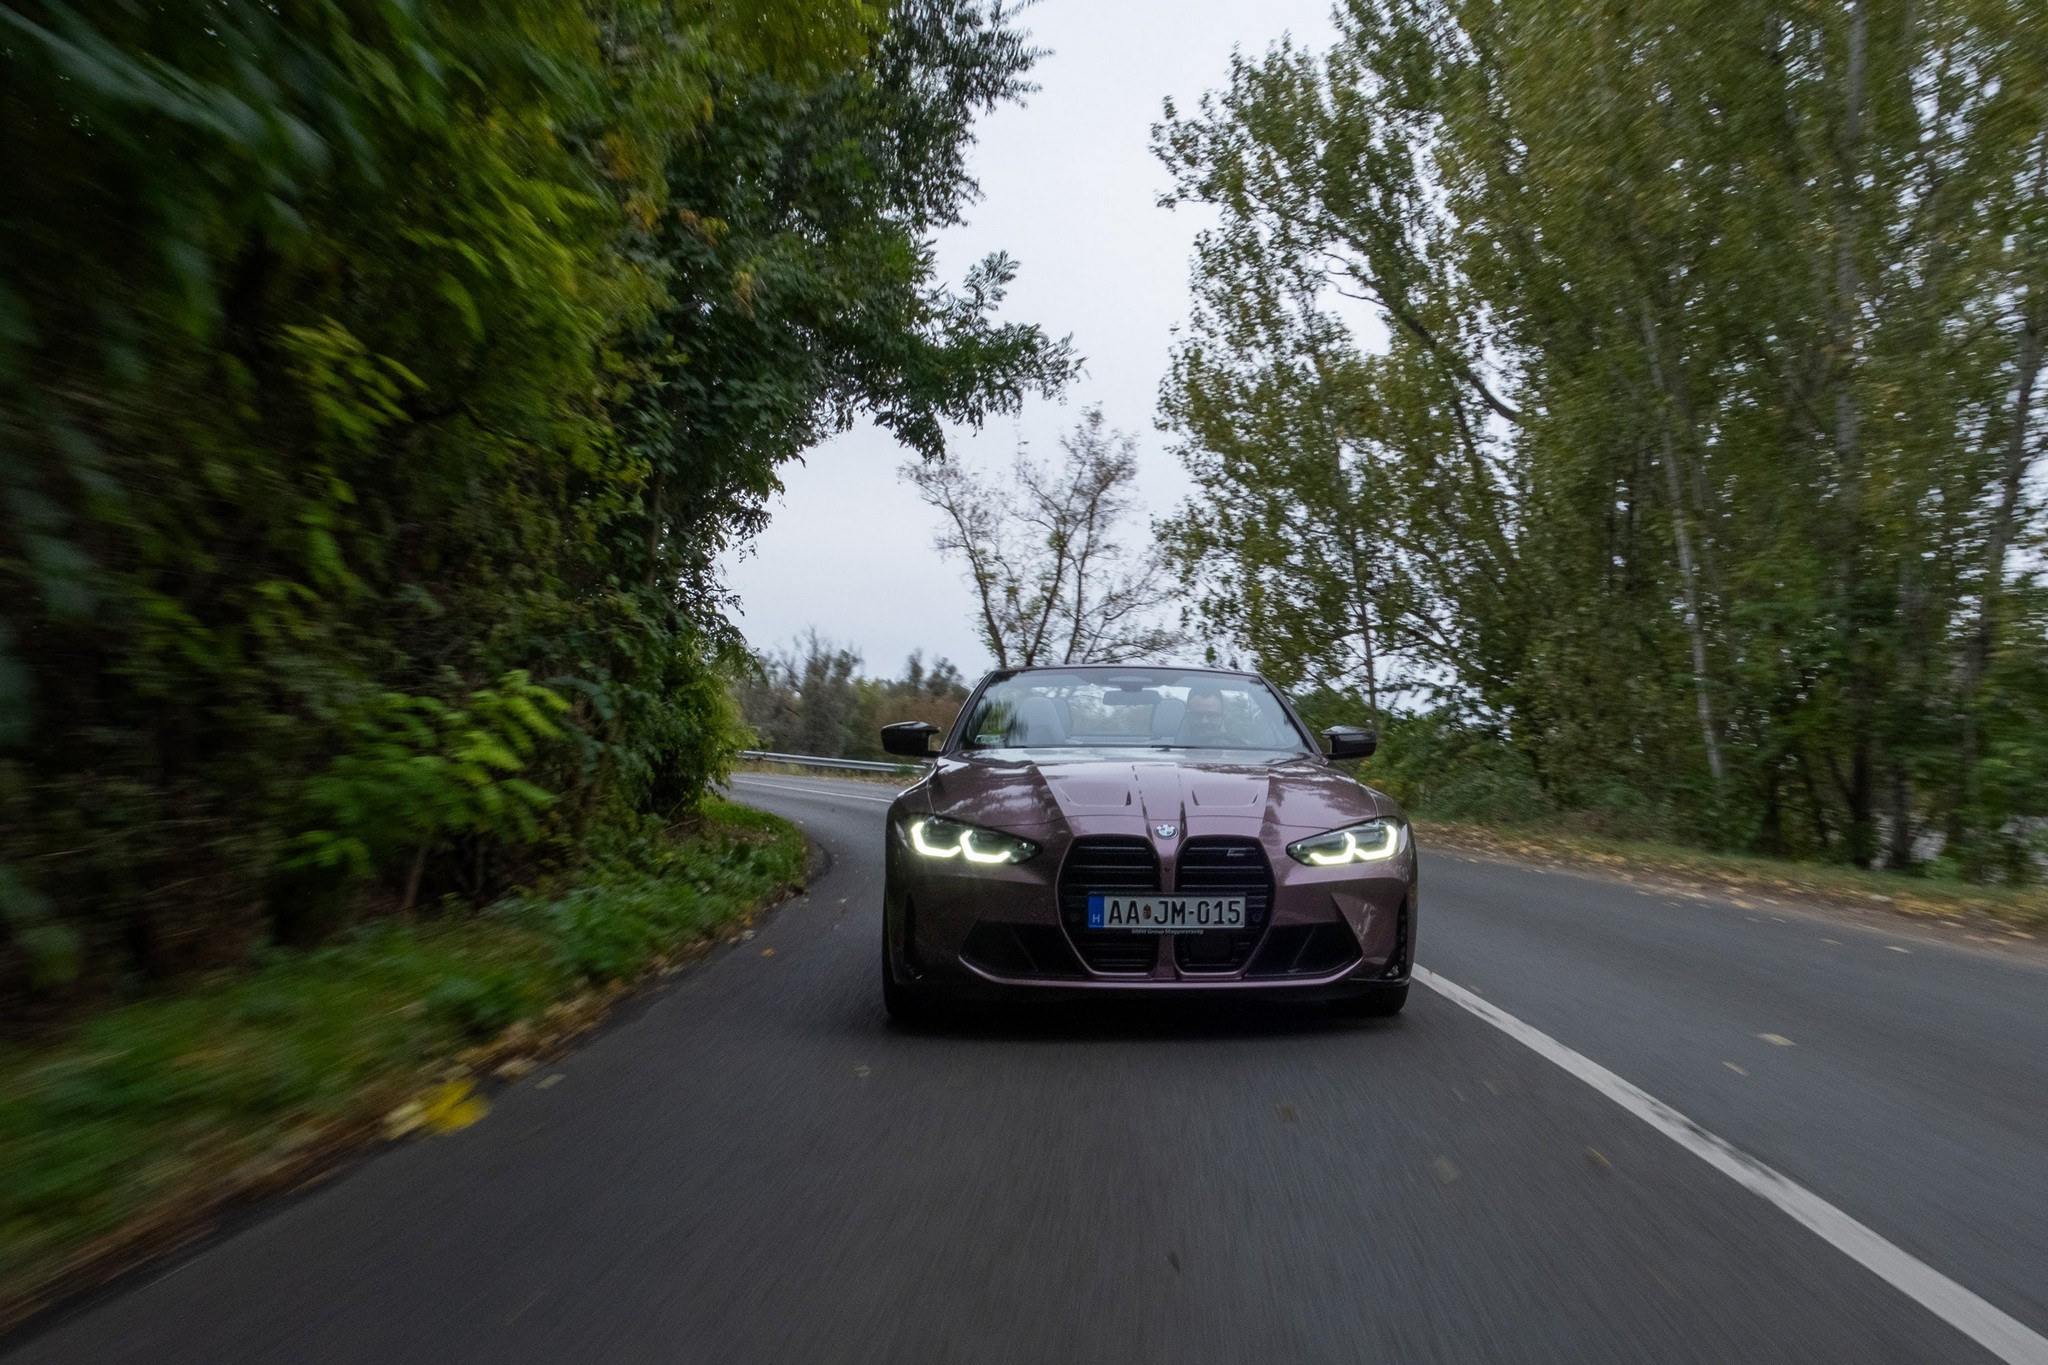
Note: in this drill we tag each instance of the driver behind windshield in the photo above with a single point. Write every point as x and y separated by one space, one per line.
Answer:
1202 723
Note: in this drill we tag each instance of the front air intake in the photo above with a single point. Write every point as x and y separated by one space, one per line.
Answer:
1397 961
1020 950
1306 950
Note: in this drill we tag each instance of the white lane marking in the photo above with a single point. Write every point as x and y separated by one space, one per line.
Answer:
1997 1332
813 791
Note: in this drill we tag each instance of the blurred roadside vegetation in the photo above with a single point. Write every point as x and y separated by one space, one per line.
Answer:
379 383
146 1114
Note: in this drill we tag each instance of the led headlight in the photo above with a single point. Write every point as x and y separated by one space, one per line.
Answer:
1375 841
937 838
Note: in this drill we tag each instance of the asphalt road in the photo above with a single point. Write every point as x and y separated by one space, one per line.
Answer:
757 1167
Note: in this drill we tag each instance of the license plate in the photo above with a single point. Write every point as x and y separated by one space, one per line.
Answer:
1166 914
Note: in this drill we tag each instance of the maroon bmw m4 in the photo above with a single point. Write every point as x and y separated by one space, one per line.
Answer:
1130 829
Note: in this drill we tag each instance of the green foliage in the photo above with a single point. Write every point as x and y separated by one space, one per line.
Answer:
358 357
1438 764
160 1097
482 1005
1442 770
1658 388
416 772
646 890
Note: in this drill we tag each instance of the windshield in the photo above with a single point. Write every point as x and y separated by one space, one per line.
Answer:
1148 708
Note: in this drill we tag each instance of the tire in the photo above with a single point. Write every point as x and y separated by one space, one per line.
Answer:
1375 1002
904 1004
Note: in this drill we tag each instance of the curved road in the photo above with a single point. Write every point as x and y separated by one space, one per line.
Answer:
757 1167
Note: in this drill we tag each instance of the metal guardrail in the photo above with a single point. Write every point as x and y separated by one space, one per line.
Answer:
856 765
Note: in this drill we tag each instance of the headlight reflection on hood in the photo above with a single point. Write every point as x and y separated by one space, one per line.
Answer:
934 837
1374 841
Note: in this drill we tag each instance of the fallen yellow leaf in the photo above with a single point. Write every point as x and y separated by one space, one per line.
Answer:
447 1108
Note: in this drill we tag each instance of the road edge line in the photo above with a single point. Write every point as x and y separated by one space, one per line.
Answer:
1997 1331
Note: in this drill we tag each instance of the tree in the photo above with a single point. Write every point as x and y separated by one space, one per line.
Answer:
1687 463
1053 582
811 699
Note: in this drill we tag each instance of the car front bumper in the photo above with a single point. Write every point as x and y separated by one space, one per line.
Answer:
996 932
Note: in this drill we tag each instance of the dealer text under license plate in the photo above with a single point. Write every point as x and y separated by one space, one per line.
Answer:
1166 914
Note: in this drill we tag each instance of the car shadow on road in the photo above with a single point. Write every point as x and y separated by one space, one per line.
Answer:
1164 1021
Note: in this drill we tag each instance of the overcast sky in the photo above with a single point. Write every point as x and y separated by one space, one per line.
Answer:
1069 186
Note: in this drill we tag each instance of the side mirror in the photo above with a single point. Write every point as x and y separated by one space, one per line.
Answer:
911 738
1349 741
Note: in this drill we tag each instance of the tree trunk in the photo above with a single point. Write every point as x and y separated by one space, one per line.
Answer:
1688 571
996 644
1078 642
654 529
1813 802
1848 436
412 878
1863 802
1899 854
1773 824
1361 600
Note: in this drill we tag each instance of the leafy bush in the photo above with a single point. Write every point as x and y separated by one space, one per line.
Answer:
480 1006
1443 769
652 895
417 771
373 373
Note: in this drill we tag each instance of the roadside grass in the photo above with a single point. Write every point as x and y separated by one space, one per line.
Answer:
152 1113
2019 911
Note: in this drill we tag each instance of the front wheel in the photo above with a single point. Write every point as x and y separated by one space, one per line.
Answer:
904 1004
1375 1002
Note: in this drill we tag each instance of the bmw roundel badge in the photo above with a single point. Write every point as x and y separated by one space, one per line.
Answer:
1166 831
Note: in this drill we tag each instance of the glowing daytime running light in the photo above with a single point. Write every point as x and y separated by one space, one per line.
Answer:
933 837
1375 841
